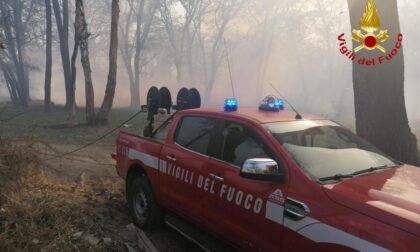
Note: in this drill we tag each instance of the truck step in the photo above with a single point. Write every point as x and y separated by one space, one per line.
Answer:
199 237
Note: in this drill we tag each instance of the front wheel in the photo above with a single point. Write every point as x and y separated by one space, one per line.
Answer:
144 210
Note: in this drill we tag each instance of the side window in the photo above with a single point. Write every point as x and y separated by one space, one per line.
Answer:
194 133
239 143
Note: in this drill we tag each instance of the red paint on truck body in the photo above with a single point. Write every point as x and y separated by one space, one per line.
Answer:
378 211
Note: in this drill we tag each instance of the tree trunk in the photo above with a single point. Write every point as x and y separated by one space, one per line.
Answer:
190 64
48 61
135 89
14 67
135 94
72 84
135 102
167 19
379 99
127 59
11 83
63 33
72 111
144 22
9 74
214 62
103 114
20 44
178 67
83 36
12 91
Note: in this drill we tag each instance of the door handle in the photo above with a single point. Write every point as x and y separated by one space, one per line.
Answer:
171 157
295 210
215 177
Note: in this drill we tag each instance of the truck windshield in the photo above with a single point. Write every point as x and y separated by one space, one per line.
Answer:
324 149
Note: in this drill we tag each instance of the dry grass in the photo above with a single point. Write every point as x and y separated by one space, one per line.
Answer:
16 165
40 213
35 125
44 204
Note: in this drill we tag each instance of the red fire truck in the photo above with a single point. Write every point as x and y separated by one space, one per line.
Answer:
268 179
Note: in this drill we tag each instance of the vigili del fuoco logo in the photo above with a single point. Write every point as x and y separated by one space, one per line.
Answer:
370 38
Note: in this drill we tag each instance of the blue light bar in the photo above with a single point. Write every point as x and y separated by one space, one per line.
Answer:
231 104
279 103
271 103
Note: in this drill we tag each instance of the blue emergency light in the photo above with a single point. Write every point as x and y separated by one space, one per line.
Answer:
231 104
271 103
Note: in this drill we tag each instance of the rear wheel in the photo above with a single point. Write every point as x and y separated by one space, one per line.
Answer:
144 210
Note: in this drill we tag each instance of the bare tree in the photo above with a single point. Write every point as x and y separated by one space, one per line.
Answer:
82 38
13 62
62 20
265 29
167 18
195 34
103 114
381 115
182 33
142 13
12 83
48 54
193 10
211 45
72 111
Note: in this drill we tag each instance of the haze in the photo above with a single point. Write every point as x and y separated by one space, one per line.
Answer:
292 44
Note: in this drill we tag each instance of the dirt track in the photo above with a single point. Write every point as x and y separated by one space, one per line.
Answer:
94 165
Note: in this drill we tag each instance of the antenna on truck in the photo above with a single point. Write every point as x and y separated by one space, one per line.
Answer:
298 116
230 72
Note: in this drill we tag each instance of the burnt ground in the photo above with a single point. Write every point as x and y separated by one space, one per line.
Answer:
70 203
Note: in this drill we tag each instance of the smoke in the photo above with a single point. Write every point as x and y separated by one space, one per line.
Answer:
291 44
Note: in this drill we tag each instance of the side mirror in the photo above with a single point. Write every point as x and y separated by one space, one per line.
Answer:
262 169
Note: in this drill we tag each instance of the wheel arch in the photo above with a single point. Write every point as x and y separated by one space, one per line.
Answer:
135 171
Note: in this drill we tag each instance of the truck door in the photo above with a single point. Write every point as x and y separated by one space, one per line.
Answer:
183 161
250 211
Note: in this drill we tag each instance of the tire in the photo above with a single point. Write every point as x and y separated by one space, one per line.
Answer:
144 210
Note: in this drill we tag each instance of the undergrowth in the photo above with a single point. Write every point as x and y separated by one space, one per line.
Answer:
41 213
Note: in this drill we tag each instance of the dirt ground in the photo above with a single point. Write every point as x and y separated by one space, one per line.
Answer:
77 202
95 165
92 163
